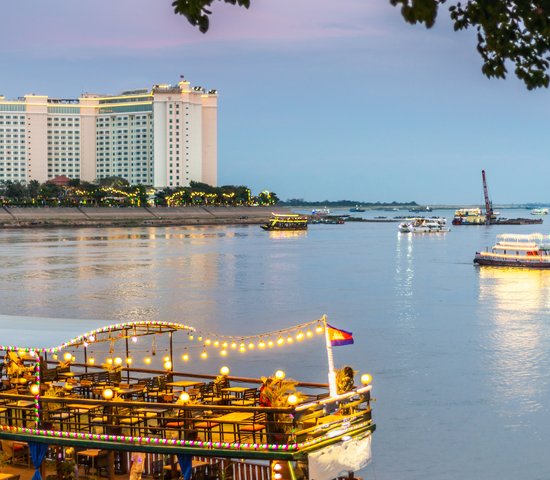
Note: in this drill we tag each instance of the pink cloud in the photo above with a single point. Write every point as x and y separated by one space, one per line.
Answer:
151 24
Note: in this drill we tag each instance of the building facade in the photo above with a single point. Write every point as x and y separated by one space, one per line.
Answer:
165 137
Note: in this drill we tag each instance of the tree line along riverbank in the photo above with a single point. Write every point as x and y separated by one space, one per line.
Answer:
18 217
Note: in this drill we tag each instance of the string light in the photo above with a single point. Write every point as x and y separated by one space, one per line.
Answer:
280 341
185 357
147 360
223 352
204 355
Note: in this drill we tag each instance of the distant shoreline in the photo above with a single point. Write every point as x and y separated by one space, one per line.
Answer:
98 217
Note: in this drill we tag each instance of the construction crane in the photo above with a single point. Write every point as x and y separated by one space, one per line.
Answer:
489 214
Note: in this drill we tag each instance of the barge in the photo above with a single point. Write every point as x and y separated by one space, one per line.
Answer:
116 389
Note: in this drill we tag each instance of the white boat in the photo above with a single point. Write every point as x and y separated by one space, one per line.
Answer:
539 211
321 212
424 225
517 250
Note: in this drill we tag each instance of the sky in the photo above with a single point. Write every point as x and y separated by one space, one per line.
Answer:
318 99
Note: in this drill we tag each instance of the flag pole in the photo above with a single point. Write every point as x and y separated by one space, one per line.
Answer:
333 391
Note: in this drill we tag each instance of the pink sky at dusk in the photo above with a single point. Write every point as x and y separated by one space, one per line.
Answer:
309 86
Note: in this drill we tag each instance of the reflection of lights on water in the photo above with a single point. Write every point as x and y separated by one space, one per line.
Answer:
514 299
515 288
277 235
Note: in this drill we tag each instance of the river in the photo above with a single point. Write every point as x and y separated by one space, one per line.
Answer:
460 355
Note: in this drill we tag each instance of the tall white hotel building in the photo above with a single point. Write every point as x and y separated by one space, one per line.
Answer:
166 136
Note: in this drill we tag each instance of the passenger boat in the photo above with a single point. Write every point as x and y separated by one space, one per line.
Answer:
424 225
539 211
526 251
110 391
286 222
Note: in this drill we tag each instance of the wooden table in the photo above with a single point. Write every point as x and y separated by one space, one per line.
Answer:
7 476
91 453
232 419
184 383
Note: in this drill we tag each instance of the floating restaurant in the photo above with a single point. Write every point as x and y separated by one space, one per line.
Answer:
87 398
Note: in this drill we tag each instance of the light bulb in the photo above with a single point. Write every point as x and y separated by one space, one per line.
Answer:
107 394
147 360
224 370
280 374
117 361
184 397
366 378
168 365
185 357
67 356
35 389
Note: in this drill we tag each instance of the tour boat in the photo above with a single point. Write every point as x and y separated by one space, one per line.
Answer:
526 251
424 225
117 389
539 211
286 222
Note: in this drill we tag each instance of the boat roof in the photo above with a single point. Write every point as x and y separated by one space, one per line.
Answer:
515 238
52 334
292 215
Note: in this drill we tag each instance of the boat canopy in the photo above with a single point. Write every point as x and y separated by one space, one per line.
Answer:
51 334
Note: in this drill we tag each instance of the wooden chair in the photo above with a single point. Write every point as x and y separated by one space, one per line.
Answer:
249 398
205 425
256 428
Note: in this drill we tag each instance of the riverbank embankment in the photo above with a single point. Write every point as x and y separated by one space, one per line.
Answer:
19 217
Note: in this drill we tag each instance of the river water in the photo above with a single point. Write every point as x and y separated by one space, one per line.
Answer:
460 355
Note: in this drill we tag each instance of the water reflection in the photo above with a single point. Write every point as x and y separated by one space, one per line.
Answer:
519 338
280 235
404 277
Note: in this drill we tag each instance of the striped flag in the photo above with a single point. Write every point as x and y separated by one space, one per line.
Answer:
339 337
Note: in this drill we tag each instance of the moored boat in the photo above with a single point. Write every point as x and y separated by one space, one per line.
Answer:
517 250
424 225
215 425
279 222
469 216
539 211
357 208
